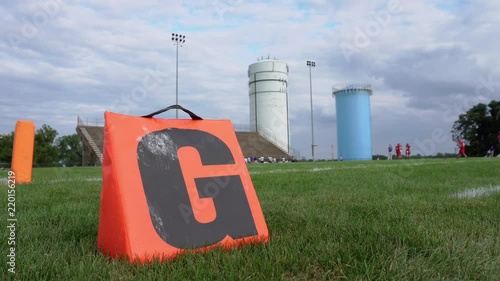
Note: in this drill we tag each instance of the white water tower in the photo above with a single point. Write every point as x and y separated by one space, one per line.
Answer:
268 91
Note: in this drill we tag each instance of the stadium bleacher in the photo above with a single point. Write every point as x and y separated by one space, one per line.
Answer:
251 143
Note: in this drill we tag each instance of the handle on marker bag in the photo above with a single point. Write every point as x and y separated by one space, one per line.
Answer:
175 106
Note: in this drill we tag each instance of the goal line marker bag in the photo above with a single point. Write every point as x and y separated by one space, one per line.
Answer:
174 185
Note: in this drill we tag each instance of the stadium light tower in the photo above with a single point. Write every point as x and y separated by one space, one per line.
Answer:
311 64
178 40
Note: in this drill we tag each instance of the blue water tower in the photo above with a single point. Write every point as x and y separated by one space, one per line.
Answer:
352 104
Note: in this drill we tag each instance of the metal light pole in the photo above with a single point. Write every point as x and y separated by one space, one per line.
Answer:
311 64
178 39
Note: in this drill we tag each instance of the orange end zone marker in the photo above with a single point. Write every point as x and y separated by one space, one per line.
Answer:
172 186
22 152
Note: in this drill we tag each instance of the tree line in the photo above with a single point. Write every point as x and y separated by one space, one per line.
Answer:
479 127
50 150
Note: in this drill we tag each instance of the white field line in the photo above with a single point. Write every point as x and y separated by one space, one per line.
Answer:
277 171
361 166
477 192
75 180
4 181
282 171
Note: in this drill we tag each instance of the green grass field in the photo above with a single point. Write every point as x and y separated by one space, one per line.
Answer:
433 219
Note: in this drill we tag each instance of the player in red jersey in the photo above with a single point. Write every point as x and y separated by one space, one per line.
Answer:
461 147
408 150
398 150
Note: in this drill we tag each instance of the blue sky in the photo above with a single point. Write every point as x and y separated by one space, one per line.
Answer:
428 62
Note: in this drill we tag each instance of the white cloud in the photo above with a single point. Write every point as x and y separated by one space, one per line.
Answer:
423 60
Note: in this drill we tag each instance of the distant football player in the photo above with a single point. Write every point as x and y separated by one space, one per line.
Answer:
408 150
461 147
490 152
399 147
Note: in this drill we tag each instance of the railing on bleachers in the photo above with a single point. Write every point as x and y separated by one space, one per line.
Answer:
90 122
